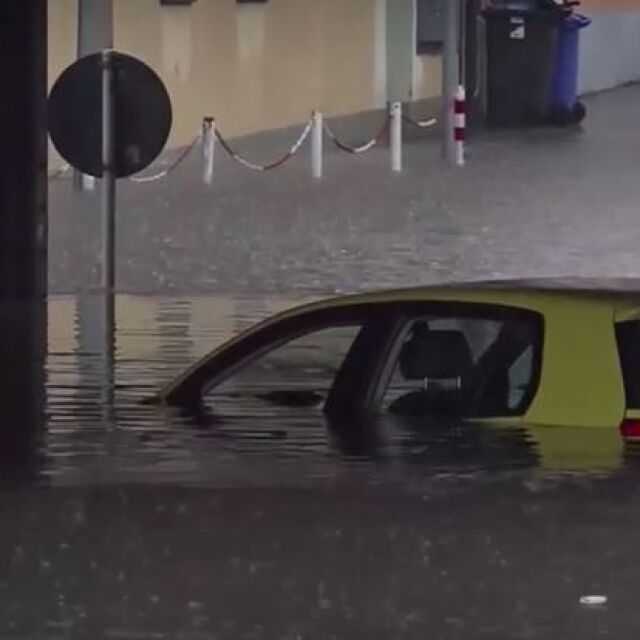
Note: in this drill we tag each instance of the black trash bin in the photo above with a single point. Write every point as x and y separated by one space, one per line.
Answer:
522 47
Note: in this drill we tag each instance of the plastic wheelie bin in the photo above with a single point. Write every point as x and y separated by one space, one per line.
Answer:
565 107
522 46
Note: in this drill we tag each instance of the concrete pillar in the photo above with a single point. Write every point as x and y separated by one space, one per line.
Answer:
450 75
95 26
401 49
95 33
23 226
473 58
380 54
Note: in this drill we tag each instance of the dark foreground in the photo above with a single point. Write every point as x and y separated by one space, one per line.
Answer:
492 558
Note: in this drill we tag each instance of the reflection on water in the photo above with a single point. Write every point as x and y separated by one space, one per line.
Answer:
91 439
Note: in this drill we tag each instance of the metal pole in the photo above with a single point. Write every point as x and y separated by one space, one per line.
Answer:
108 174
396 137
316 145
108 229
95 33
450 75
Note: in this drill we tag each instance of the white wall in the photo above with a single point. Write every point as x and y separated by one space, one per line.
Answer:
610 50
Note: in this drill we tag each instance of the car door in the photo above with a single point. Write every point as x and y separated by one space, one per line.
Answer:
453 370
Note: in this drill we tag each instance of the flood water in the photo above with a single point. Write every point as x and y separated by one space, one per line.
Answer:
138 523
99 431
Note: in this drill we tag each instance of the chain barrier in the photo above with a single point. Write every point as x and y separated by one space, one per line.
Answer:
382 132
55 175
420 124
172 167
267 167
362 148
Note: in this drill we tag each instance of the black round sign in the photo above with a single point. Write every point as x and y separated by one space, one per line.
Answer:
142 113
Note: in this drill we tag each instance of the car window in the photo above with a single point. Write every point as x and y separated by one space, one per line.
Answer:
295 374
628 338
520 374
469 366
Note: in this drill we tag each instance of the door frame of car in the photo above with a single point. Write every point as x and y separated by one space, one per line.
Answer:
360 383
213 369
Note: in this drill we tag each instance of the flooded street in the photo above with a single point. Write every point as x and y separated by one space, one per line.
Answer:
99 430
538 202
138 522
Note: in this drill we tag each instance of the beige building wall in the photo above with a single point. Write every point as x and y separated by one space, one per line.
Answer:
254 67
63 35
263 66
427 77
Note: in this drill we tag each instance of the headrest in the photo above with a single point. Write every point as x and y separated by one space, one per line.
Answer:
437 355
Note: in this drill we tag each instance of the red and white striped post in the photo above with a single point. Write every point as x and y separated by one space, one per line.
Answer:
460 124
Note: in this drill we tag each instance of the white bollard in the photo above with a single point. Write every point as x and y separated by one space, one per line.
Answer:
460 124
317 138
208 149
88 182
396 136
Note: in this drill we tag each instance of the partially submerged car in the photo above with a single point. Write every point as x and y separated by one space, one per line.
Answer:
562 353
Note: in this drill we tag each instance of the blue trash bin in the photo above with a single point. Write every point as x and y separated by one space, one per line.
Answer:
564 104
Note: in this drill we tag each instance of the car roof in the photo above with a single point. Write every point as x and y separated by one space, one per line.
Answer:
589 304
535 293
569 284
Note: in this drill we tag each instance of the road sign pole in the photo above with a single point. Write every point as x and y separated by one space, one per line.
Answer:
108 174
112 80
108 223
95 33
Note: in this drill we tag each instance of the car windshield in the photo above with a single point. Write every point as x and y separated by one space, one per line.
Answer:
319 319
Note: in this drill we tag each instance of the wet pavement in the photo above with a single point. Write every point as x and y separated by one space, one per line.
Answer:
140 523
543 202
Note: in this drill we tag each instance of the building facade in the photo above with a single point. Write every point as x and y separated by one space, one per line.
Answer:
258 66
610 47
263 65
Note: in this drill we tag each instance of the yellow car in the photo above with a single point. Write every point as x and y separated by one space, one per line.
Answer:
546 353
